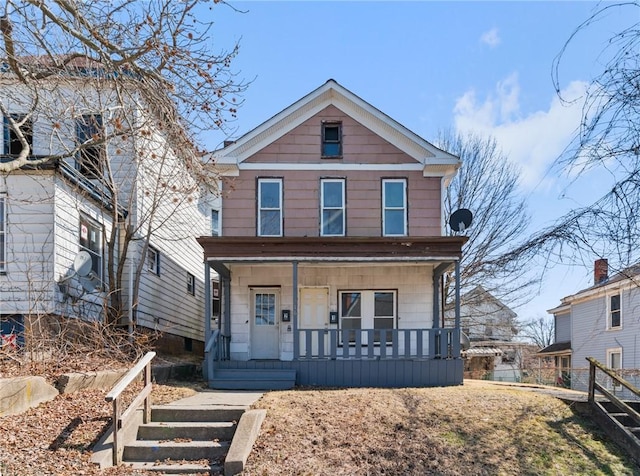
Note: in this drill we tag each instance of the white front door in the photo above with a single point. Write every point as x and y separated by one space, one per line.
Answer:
265 331
314 314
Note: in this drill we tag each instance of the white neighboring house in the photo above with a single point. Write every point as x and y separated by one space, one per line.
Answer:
49 213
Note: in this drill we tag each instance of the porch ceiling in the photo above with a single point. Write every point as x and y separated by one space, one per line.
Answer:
269 249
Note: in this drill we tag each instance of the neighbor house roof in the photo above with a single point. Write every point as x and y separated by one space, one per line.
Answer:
556 348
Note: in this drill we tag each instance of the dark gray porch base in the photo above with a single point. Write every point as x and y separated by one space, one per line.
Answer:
362 373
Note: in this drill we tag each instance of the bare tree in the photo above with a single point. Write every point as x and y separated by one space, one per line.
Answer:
487 184
539 330
607 140
143 84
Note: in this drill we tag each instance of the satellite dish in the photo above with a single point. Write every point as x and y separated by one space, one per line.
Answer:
460 220
465 343
82 264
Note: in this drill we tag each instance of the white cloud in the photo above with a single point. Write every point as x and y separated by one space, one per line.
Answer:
490 38
533 140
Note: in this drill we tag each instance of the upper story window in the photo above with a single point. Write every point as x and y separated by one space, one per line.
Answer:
394 207
12 144
332 204
615 318
191 284
153 260
269 207
331 139
215 222
90 158
3 234
91 241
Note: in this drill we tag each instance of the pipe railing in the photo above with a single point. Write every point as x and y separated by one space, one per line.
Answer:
120 417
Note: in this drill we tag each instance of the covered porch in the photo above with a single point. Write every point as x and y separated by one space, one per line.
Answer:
408 347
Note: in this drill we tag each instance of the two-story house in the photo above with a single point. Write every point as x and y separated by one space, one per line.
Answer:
600 322
331 250
102 182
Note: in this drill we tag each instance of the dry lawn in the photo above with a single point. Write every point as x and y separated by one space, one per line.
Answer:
468 430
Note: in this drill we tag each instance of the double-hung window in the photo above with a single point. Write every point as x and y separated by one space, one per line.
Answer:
331 140
153 260
394 207
91 155
91 242
269 207
615 319
3 233
191 284
215 222
332 204
12 144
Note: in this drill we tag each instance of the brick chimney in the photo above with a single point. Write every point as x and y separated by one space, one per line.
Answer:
600 271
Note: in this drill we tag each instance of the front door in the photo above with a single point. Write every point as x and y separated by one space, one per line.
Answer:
265 331
314 314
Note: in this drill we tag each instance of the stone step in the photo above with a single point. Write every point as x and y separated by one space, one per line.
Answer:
187 413
160 450
177 467
222 431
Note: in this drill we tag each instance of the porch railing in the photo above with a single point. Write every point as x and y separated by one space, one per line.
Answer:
377 344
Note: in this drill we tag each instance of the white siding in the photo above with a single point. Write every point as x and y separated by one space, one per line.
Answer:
413 283
563 327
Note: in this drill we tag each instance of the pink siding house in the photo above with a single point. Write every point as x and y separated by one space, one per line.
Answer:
330 252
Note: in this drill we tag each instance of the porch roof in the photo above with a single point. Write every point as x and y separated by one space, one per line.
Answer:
358 249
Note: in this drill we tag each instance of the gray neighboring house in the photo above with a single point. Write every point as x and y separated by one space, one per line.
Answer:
603 322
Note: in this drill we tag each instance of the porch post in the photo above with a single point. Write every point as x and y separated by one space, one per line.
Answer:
226 302
296 337
207 302
456 333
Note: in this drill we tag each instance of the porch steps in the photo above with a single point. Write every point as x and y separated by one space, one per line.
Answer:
183 440
620 425
253 379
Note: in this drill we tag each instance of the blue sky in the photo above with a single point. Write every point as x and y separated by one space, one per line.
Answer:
482 67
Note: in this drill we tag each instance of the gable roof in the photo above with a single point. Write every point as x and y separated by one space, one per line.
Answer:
436 162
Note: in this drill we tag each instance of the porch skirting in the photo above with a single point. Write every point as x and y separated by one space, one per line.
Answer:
391 373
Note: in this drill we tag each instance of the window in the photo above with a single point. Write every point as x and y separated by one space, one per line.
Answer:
3 234
367 310
331 139
215 222
191 284
12 144
90 159
614 362
269 207
91 241
614 312
394 207
332 215
153 260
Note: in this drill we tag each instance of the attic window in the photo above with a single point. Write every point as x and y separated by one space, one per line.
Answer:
331 140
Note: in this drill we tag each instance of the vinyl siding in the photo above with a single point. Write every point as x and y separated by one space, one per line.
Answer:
563 327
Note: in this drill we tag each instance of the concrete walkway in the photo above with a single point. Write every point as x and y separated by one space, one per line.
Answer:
219 399
565 394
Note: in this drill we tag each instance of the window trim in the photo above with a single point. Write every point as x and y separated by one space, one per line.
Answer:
3 233
610 311
610 352
155 269
343 208
260 209
7 131
100 230
404 208
324 141
191 284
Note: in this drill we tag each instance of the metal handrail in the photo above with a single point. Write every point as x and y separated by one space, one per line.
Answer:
143 365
